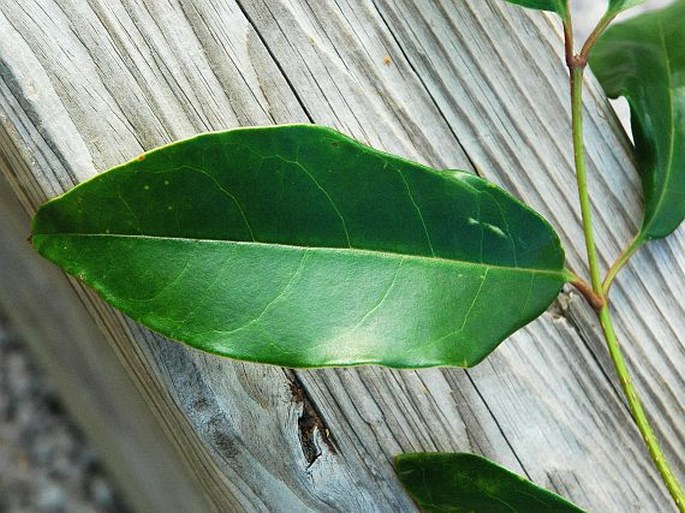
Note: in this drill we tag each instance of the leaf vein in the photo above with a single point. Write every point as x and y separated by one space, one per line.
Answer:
324 191
228 194
282 293
382 300
418 211
558 273
671 146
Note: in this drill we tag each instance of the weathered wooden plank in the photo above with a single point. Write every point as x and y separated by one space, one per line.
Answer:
649 301
454 74
95 386
86 86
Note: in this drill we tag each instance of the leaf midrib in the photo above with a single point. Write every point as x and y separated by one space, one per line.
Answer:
382 253
671 149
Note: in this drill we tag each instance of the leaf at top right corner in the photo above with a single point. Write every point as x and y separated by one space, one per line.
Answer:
617 6
643 59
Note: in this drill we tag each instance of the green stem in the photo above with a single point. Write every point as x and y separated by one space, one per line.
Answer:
594 36
577 65
619 263
638 413
581 174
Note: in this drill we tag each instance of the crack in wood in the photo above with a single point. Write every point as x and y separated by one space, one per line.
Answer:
309 423
566 308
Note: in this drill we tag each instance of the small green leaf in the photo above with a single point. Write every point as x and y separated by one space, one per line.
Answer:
558 6
298 246
643 59
617 6
451 483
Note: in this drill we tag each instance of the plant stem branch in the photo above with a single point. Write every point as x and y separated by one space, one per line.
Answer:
594 299
638 413
577 65
568 40
620 262
581 173
594 36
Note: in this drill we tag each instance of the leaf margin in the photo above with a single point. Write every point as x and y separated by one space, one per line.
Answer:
483 466
615 41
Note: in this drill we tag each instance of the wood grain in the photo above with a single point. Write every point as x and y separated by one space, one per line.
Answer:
86 85
93 383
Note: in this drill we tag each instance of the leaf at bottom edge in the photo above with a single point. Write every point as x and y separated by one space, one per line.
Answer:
462 482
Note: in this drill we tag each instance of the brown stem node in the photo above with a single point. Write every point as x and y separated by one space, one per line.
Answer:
595 300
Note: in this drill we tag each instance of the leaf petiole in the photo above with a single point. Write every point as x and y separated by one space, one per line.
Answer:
622 259
594 299
602 25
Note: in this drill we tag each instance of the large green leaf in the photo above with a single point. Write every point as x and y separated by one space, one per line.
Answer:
451 483
558 6
298 246
643 59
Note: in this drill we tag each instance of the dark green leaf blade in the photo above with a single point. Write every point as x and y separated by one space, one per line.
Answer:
558 6
298 246
643 59
454 482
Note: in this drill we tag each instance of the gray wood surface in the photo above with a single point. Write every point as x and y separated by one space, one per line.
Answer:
93 382
468 84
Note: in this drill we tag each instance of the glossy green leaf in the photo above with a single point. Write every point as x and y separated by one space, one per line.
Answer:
460 482
298 246
643 59
617 6
558 6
